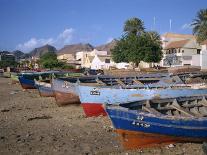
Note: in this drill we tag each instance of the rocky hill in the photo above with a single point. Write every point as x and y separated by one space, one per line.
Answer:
38 52
72 49
107 47
19 55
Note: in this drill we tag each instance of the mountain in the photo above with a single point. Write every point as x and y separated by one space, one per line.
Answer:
72 49
4 52
18 54
107 47
38 52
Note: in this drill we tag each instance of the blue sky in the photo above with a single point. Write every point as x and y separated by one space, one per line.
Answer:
26 24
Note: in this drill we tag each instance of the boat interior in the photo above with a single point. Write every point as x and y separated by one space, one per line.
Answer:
183 106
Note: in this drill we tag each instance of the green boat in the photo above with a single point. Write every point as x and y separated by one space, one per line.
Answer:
7 74
14 78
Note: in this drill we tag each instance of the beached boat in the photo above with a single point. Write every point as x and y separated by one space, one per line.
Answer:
65 89
7 74
92 97
150 123
14 78
44 88
65 92
26 79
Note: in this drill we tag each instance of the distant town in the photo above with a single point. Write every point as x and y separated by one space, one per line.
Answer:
178 50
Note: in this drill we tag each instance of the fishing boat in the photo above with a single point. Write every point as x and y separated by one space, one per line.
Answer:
65 89
26 79
44 88
154 122
14 78
92 97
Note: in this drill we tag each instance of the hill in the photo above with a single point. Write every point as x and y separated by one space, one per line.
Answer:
107 47
38 52
72 49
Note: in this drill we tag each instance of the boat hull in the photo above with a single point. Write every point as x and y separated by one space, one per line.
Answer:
108 95
139 129
14 79
45 91
65 93
94 109
138 140
26 83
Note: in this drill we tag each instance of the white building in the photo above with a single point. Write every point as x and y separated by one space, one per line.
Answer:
203 55
85 58
180 50
102 62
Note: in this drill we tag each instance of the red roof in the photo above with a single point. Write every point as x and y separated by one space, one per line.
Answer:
177 44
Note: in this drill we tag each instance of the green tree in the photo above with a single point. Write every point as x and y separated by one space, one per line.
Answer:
49 60
134 26
200 25
139 46
8 63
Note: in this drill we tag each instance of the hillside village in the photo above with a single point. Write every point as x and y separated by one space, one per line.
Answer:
178 50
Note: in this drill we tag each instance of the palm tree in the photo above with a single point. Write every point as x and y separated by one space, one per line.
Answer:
200 25
134 26
154 36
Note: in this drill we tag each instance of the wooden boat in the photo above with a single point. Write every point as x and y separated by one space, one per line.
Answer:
7 74
152 123
44 88
14 78
65 89
65 92
26 79
92 97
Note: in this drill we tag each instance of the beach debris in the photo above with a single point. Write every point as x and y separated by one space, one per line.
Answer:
5 110
170 146
39 117
2 137
13 92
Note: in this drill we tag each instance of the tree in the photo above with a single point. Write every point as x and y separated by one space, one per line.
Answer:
49 60
138 46
200 25
134 26
8 63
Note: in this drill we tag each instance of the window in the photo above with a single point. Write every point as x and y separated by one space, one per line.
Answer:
198 51
107 60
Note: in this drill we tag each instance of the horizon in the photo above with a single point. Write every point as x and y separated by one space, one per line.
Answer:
26 25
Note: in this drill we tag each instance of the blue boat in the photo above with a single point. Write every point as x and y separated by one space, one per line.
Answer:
66 92
150 123
26 79
44 88
93 97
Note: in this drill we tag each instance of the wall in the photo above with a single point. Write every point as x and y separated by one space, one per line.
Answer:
203 62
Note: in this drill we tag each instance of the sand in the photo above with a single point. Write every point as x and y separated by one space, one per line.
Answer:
30 124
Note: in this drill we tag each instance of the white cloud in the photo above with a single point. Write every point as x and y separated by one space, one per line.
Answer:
109 40
186 26
62 39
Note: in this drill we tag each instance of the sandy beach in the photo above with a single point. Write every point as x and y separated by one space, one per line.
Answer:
30 124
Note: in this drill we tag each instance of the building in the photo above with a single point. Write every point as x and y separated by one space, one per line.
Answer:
7 57
203 55
102 62
85 58
66 57
180 50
